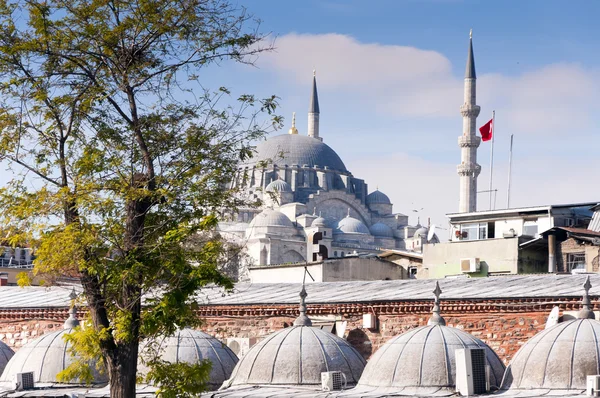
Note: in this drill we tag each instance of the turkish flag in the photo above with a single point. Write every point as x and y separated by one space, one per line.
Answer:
487 130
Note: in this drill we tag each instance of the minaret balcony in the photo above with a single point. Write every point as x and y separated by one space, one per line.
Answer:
469 141
468 169
468 110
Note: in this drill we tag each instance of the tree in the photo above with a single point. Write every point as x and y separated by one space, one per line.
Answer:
118 162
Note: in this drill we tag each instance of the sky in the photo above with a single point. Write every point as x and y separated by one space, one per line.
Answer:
390 78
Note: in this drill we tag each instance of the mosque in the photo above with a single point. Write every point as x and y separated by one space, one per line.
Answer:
313 208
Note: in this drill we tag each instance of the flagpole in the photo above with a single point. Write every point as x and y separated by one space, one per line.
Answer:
492 154
509 172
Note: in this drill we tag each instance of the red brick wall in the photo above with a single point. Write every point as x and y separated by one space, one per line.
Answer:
504 332
16 333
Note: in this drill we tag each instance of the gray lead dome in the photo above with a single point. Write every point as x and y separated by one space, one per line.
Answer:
424 358
295 149
296 356
192 346
557 358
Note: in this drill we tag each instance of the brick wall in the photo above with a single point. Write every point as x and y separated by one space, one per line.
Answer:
16 333
504 332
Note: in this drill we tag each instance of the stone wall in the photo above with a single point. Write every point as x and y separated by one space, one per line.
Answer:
16 333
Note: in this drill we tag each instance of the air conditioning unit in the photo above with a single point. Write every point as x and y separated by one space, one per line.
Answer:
333 381
468 265
472 374
24 381
511 233
241 345
593 386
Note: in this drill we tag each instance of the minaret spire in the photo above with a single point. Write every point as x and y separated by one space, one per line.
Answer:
468 169
313 111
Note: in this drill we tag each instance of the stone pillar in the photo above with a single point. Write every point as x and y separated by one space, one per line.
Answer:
552 253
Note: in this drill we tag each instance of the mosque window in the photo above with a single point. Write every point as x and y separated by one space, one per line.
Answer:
335 253
342 255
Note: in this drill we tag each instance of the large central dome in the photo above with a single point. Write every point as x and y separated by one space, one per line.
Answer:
291 149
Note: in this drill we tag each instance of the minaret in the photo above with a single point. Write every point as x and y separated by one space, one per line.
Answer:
468 169
313 111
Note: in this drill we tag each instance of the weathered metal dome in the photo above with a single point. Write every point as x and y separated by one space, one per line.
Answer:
378 197
350 225
278 186
382 230
271 218
558 358
47 356
423 358
296 356
193 346
295 149
6 353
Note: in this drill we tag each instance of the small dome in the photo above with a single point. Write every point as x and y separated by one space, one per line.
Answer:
271 218
47 356
378 197
350 225
425 357
193 346
557 358
319 222
421 232
296 356
278 186
381 230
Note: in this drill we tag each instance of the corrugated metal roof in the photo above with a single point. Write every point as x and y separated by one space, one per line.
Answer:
497 287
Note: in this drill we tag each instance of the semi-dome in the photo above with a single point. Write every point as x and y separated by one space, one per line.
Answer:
296 356
271 218
378 197
193 346
294 149
278 186
381 230
351 225
423 358
47 356
558 358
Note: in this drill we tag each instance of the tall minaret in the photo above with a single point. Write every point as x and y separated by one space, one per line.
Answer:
313 111
468 169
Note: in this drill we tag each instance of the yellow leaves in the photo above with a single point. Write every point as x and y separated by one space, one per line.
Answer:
24 279
84 348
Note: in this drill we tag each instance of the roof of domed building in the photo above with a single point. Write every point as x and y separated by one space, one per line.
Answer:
378 197
560 357
278 186
193 346
271 218
319 222
382 230
296 356
297 149
421 232
46 356
423 358
351 225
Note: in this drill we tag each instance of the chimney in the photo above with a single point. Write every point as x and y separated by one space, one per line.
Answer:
3 278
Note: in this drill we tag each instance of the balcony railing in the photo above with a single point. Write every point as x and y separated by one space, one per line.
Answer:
12 263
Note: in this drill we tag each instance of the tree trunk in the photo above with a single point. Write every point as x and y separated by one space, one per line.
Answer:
122 370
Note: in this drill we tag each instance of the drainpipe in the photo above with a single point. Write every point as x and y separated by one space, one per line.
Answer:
551 253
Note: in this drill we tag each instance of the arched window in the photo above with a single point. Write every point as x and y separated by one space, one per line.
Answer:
335 253
342 255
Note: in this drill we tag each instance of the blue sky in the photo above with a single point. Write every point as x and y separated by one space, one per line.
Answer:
390 87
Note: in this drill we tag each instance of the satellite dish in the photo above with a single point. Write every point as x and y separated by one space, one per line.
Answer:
553 317
431 233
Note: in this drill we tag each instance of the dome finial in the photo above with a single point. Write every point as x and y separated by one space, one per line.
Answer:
586 310
436 318
303 319
293 129
72 320
348 212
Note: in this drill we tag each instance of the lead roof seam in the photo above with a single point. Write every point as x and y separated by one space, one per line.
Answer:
572 355
597 352
550 351
422 355
46 352
322 350
387 347
446 357
335 343
276 353
210 343
259 348
414 332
